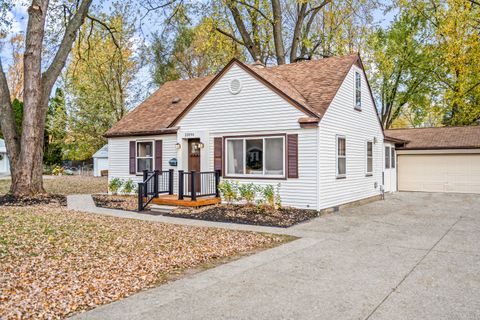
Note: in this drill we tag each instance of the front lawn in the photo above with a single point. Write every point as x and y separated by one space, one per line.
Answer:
54 262
67 185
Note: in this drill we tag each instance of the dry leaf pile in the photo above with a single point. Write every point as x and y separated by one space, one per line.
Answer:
54 262
129 203
68 185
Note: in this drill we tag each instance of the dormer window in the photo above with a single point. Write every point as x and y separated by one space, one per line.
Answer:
358 91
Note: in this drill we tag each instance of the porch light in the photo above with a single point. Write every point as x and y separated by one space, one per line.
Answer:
178 146
200 145
374 139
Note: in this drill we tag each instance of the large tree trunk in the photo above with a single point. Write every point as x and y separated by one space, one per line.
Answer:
28 179
26 151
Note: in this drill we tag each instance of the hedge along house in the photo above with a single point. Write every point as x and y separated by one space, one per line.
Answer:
311 126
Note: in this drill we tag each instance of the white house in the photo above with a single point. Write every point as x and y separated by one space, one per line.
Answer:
4 162
311 127
100 161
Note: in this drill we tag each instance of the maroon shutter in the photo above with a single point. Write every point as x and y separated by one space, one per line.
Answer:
158 155
133 168
292 155
217 154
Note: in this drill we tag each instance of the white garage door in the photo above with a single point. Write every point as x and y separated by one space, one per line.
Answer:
439 173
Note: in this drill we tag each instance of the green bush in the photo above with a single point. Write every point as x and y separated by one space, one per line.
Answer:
278 199
114 185
248 192
128 186
58 171
229 190
269 195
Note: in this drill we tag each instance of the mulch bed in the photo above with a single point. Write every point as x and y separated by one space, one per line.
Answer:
266 216
47 199
128 203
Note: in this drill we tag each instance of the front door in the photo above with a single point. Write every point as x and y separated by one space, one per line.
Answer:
194 162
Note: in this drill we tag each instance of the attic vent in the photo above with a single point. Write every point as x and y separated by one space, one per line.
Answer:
176 100
235 86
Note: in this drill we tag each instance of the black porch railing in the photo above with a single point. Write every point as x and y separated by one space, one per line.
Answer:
191 185
194 184
154 183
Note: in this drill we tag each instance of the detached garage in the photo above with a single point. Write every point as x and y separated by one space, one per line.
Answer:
445 159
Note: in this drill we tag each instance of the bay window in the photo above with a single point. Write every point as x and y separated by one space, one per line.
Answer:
256 156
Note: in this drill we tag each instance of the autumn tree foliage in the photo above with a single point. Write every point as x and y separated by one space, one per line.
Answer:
99 80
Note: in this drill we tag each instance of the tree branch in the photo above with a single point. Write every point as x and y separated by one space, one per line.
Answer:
230 36
51 74
255 9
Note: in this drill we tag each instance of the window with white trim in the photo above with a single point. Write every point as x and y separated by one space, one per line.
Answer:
369 157
341 157
393 158
144 156
387 157
358 90
255 156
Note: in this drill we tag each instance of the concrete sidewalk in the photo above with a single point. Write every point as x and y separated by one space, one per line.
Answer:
412 256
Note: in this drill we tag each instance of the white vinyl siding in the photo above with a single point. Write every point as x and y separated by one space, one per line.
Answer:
119 155
357 127
257 110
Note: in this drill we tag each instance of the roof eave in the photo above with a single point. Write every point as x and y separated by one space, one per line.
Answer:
172 130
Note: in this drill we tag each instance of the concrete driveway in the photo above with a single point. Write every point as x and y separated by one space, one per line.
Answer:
412 256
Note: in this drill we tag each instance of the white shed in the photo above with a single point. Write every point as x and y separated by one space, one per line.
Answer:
4 163
100 161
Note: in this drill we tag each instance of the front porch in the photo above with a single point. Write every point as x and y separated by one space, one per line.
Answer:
172 200
194 189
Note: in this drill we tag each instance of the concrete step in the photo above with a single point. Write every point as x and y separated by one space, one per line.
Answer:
162 208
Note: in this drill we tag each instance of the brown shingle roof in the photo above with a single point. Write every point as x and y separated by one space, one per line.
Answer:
467 137
310 85
154 115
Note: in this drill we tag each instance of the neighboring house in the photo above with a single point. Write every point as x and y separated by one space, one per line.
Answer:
445 159
100 161
311 127
4 162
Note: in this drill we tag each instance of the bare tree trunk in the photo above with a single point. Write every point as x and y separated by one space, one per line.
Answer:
277 31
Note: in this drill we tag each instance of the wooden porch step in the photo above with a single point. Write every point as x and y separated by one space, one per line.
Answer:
172 200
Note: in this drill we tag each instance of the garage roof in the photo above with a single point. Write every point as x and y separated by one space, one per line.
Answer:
467 137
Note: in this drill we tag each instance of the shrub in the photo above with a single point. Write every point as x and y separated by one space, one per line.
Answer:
114 185
129 186
278 199
248 192
58 171
269 195
229 190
